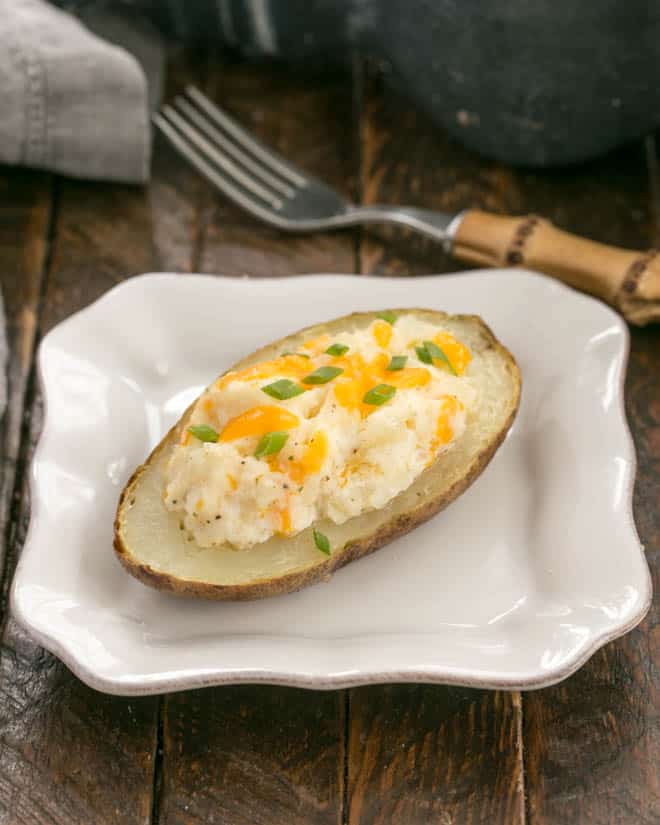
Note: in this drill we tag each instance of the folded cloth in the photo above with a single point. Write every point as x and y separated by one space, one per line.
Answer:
70 101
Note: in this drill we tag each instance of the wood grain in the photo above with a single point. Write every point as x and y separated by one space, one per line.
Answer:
592 744
68 754
25 210
422 754
265 755
252 755
309 120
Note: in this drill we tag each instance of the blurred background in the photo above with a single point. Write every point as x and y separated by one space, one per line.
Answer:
527 82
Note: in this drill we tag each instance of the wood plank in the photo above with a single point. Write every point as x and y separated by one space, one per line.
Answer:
68 754
25 199
422 754
309 120
252 755
593 742
256 754
425 753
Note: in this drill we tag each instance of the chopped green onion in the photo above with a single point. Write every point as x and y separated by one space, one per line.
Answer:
283 389
387 315
271 443
398 362
322 375
337 349
321 542
435 352
204 433
379 394
299 354
423 355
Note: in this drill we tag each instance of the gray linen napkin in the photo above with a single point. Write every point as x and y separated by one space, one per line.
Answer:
70 101
73 102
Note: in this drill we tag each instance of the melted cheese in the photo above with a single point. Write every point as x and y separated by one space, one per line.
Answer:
382 332
342 456
258 421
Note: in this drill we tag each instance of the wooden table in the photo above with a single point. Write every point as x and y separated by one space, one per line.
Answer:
585 751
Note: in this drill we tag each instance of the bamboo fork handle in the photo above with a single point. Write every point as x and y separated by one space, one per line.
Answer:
627 280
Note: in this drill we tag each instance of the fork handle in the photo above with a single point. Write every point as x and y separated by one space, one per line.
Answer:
436 225
627 280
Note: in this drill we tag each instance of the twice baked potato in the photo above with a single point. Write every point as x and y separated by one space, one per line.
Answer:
157 545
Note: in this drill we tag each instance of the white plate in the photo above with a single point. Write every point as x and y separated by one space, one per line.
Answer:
515 585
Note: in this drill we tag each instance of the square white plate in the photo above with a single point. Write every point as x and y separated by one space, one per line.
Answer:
515 585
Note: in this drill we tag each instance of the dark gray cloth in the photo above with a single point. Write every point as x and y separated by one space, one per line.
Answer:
527 83
70 101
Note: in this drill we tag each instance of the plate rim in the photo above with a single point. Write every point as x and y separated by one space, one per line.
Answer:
207 677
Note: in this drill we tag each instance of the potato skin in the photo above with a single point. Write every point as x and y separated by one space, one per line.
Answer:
397 526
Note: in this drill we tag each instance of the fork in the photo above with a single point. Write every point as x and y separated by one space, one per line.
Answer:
278 193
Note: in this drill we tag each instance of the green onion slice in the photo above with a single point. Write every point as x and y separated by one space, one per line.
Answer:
204 433
387 315
321 542
299 354
271 443
379 394
337 349
282 389
398 362
423 355
322 375
435 352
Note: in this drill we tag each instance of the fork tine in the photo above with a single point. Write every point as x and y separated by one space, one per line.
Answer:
246 141
197 159
228 146
195 137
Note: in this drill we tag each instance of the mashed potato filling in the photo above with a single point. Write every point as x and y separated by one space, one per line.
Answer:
329 432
